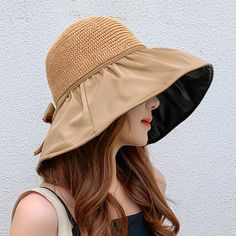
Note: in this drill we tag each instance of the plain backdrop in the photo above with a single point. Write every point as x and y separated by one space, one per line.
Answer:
197 158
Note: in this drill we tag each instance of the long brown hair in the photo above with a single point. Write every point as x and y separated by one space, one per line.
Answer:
86 172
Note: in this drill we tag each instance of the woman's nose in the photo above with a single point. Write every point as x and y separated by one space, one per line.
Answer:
155 102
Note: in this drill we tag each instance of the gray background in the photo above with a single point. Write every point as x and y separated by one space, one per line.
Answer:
197 158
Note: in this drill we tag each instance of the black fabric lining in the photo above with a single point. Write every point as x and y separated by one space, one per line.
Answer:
179 101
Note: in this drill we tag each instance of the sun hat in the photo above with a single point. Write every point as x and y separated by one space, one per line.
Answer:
97 70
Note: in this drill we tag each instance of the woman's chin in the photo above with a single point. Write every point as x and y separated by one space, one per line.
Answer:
142 142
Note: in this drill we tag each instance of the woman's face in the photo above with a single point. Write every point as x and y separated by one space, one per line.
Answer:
137 134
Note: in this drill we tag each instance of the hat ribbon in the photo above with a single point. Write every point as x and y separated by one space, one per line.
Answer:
47 118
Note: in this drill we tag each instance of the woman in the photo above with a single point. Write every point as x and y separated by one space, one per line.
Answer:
113 97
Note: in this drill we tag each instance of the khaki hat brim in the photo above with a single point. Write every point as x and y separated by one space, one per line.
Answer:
179 79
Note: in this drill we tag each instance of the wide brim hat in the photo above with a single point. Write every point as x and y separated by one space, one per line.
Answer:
98 70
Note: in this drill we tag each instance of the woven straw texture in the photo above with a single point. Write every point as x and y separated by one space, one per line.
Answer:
83 47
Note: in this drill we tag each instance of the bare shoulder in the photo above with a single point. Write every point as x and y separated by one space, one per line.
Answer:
161 180
34 215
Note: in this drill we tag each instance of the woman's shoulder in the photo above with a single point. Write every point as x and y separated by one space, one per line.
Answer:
34 215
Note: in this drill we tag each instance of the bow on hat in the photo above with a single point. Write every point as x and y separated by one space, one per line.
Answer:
47 118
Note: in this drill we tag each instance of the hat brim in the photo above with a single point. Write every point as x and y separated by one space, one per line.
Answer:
179 79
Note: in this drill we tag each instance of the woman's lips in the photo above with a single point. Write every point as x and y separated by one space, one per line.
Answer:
146 123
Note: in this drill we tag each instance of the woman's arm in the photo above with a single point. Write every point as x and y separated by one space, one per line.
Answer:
34 216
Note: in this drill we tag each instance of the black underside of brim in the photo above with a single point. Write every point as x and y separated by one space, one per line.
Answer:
178 101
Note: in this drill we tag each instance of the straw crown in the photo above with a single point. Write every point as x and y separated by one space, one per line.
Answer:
83 48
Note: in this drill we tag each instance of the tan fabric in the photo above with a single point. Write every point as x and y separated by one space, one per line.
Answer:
91 107
64 224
